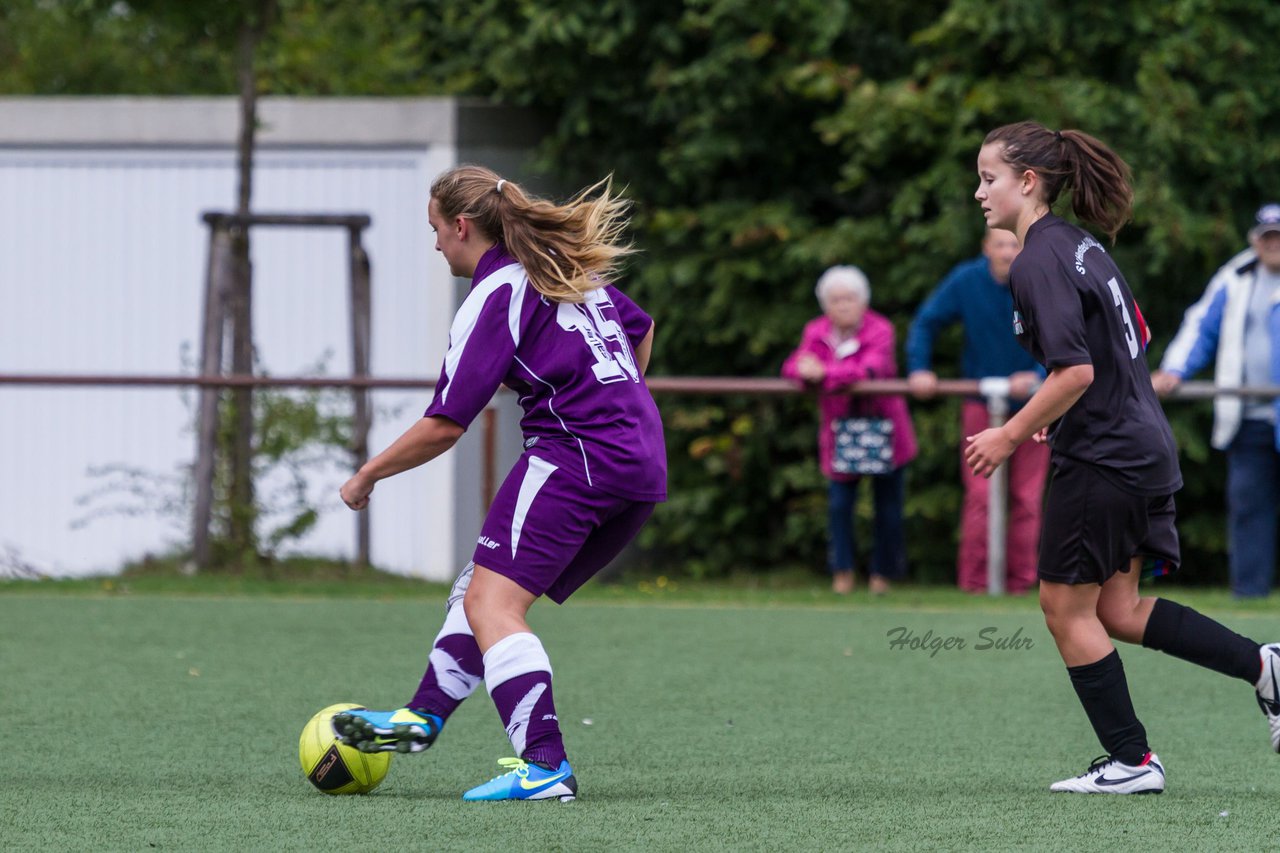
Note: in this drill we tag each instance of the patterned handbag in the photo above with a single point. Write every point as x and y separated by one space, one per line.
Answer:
864 446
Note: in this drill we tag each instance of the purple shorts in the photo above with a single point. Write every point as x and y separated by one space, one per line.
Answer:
550 532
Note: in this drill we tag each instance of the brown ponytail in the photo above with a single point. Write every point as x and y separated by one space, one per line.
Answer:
566 250
1100 182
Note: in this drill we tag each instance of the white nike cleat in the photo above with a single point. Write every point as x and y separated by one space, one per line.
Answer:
1269 691
1107 776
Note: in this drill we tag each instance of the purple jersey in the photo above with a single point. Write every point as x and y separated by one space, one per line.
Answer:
587 409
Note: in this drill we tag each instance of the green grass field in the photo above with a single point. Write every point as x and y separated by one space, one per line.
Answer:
697 718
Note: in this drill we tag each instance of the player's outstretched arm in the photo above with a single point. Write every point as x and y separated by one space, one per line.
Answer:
419 444
1064 385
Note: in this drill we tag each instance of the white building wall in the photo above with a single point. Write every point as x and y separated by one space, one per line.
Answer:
102 264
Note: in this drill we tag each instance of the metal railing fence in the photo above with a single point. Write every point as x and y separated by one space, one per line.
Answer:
994 390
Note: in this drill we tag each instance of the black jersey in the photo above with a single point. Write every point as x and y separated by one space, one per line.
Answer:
1072 306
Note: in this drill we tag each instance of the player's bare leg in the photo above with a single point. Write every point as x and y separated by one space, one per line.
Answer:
1129 767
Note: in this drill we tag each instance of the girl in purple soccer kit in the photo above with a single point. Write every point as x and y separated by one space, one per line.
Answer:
542 320
1109 508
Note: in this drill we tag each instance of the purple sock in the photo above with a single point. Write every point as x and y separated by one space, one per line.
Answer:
455 669
519 677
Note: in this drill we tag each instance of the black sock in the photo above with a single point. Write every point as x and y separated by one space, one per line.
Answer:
1104 693
1184 633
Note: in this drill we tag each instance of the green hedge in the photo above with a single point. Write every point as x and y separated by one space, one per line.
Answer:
764 142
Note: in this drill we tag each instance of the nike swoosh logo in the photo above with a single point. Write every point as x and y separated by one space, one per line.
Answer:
1103 780
530 786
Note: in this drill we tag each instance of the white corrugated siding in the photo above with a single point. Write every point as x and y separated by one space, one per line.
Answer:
102 270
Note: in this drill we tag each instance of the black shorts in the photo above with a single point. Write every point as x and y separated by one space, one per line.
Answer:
1092 528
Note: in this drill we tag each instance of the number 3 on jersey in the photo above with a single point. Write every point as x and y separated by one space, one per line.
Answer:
588 320
1130 337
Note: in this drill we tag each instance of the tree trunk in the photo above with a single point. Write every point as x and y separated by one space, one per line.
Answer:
243 516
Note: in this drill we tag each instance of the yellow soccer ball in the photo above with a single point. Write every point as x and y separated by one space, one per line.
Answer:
334 767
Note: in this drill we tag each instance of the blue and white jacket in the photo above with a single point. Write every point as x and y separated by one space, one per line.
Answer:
1215 324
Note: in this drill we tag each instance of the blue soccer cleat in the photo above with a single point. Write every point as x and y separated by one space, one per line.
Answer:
401 730
525 781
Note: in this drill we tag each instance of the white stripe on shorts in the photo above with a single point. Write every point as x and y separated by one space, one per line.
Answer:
534 478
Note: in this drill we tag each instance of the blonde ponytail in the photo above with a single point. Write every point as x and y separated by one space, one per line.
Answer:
567 250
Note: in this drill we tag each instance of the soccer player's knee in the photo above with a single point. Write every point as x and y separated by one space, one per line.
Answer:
473 605
1059 614
1120 621
1048 606
1054 619
483 606
1059 627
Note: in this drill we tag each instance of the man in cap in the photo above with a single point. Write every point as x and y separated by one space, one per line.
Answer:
1237 323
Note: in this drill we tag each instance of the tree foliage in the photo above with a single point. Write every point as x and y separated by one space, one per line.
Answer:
765 142
163 47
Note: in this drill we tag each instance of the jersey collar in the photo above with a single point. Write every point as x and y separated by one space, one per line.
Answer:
495 258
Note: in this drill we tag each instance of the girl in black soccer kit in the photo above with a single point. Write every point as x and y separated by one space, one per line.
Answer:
1109 510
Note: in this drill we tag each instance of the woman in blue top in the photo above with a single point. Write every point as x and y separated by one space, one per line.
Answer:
1109 508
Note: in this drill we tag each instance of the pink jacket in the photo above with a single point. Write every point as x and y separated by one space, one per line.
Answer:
872 359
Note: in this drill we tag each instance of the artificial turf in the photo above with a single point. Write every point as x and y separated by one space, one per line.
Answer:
753 721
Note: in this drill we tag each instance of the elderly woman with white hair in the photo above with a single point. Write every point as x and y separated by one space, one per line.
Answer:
864 437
